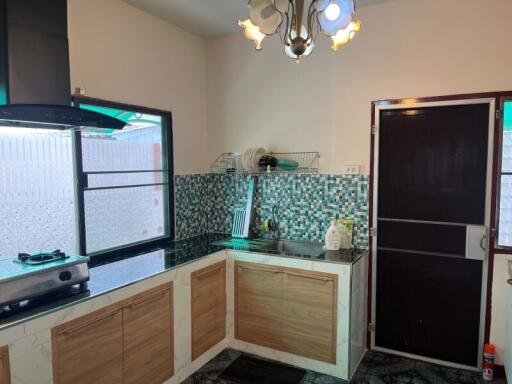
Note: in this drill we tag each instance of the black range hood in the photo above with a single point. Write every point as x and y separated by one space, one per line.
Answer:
35 90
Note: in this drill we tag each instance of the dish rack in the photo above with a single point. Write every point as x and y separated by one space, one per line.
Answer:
231 163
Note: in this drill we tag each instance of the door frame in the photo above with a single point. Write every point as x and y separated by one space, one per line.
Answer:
490 215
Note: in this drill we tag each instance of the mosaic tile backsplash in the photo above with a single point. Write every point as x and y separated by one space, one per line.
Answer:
305 203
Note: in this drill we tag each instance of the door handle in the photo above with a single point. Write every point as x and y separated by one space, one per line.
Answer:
147 301
90 324
483 242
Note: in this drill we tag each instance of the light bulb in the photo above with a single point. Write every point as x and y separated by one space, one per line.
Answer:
252 32
332 12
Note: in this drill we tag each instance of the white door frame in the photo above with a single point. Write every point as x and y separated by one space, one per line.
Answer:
491 101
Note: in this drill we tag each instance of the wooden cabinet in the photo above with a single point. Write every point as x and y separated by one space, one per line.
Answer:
90 349
287 309
259 309
5 372
148 337
129 342
208 291
309 314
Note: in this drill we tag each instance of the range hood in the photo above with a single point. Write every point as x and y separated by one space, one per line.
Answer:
35 90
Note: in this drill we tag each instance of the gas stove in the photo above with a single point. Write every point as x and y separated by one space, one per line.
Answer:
29 276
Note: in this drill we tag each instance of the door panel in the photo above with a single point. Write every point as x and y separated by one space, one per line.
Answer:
433 163
309 315
259 309
89 349
429 305
449 239
208 307
148 338
431 184
5 373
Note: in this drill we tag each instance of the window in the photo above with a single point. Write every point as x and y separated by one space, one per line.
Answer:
123 196
505 178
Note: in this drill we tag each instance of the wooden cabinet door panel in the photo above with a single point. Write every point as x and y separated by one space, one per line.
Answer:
5 374
90 349
259 304
208 307
309 314
148 337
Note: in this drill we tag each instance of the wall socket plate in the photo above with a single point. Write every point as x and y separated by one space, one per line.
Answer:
352 169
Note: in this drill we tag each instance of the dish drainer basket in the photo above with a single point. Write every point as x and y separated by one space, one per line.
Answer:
231 163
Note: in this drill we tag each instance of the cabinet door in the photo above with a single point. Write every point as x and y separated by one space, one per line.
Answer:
89 349
309 314
259 310
5 375
148 337
208 286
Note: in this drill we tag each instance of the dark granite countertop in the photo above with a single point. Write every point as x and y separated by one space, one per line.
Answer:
119 272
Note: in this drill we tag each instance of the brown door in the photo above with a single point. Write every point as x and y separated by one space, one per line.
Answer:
432 172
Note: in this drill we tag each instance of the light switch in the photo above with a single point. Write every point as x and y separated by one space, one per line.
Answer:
352 169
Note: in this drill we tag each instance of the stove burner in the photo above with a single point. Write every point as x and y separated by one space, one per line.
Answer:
41 257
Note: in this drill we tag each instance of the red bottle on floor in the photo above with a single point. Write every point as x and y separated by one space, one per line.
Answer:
488 363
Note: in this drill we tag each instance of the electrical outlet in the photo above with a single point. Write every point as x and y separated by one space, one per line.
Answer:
352 169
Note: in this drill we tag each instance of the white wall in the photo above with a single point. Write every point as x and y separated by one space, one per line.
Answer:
122 54
500 300
243 98
405 49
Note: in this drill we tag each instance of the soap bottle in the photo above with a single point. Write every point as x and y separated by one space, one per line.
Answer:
333 237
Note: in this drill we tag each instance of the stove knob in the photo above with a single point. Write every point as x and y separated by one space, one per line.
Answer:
65 276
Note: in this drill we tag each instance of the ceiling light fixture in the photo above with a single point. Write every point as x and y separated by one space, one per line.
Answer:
334 18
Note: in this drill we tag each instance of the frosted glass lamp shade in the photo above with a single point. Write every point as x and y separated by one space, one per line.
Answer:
343 36
335 15
265 15
252 32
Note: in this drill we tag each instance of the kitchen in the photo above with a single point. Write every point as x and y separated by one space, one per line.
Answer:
199 78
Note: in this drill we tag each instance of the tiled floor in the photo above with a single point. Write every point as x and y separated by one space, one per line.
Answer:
376 368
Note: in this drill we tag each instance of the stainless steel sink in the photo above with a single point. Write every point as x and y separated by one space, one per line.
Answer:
285 247
293 247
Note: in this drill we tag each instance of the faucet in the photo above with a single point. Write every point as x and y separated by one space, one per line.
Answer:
273 224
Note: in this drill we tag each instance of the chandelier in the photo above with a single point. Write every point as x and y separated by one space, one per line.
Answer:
297 27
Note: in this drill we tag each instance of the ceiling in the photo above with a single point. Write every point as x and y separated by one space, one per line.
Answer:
206 18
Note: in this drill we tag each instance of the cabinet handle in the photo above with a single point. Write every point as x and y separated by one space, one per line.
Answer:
147 301
202 275
259 269
323 279
92 323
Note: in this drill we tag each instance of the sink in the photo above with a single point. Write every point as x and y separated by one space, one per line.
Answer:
286 247
293 247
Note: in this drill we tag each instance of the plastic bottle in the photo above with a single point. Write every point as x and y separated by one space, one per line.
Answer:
333 237
488 363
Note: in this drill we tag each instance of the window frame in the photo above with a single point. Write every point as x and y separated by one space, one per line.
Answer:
167 182
503 249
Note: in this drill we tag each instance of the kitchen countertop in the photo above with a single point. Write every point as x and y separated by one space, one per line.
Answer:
119 272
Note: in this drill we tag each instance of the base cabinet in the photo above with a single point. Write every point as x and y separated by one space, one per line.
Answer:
309 315
287 309
259 309
90 349
208 291
147 338
129 342
5 371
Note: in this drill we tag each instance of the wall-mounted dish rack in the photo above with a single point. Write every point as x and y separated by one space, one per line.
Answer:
232 163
